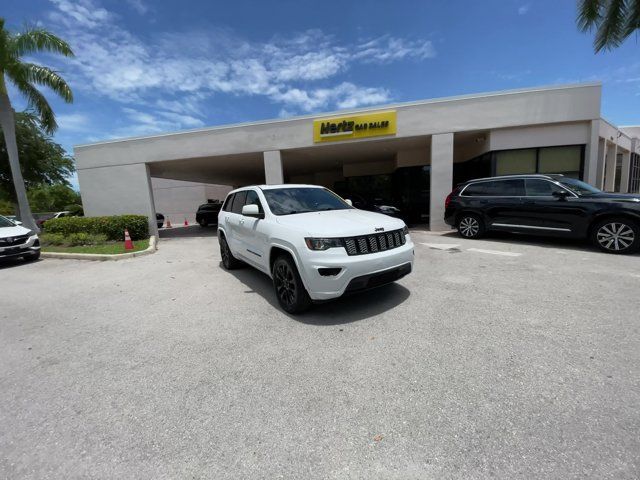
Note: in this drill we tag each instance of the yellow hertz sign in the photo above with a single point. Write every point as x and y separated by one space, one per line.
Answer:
354 126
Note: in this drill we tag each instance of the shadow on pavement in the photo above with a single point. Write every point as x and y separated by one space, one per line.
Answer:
193 231
12 262
578 245
343 310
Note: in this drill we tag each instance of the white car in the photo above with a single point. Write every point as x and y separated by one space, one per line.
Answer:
312 243
17 241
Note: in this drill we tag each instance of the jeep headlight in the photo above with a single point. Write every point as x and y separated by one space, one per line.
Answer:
323 243
405 230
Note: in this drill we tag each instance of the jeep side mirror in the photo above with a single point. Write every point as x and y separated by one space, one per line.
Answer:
349 202
17 222
252 211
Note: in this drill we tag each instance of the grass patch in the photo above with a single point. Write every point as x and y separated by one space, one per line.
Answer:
108 248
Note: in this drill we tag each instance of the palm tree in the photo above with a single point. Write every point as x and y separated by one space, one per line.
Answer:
613 20
25 76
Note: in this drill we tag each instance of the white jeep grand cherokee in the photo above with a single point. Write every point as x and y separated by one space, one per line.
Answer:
312 243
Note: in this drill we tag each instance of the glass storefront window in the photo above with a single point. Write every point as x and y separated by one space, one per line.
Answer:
564 160
512 162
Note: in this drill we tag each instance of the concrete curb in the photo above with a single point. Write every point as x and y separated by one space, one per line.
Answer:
100 257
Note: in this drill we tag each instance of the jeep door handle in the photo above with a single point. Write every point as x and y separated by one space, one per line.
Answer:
241 221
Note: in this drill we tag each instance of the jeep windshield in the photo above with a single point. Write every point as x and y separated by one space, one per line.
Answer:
5 222
289 201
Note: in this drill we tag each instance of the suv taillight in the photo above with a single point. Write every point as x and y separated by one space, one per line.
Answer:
447 200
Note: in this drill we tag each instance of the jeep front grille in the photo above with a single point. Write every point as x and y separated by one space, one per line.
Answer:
13 241
377 242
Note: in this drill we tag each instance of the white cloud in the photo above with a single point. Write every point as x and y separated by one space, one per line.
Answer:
387 49
524 9
344 95
85 13
139 6
170 75
75 122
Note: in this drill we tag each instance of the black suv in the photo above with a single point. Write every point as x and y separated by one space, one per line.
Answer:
208 213
547 205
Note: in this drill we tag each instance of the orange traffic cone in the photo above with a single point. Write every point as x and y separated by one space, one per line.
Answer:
186 224
168 224
128 244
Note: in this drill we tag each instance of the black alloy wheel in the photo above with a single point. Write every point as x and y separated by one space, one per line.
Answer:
228 260
290 291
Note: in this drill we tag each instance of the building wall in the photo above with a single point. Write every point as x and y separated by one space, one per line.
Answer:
178 200
515 119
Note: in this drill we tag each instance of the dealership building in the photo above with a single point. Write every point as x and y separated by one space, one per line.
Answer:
408 155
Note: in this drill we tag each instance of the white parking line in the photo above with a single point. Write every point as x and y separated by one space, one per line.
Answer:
495 252
441 246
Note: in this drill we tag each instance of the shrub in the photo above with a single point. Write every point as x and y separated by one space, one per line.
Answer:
73 239
112 227
75 210
52 239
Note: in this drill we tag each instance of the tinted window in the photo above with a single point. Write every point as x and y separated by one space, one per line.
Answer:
252 199
497 188
238 202
227 203
541 188
289 201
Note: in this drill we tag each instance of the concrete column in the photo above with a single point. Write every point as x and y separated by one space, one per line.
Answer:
602 154
118 190
273 173
591 154
626 170
441 178
610 167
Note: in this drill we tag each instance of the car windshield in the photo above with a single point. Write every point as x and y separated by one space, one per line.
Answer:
577 186
5 222
288 201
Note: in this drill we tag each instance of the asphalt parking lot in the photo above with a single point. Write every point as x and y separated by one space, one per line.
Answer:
502 358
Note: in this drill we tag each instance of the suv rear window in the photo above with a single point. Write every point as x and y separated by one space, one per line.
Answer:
541 188
238 201
227 203
496 188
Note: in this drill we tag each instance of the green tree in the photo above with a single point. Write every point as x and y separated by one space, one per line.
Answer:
44 162
613 20
52 198
25 76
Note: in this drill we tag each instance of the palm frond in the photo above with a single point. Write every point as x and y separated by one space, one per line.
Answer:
32 73
610 31
589 14
633 17
39 103
39 40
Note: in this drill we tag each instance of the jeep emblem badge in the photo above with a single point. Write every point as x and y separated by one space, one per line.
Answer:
378 229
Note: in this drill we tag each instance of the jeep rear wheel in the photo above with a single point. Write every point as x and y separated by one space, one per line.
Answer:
290 291
228 260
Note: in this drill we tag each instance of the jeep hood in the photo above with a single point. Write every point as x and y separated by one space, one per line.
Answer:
339 223
13 231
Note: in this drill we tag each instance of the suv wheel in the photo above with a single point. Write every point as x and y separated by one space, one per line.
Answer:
292 296
228 260
616 235
470 226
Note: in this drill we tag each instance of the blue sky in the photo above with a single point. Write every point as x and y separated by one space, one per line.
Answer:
145 67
